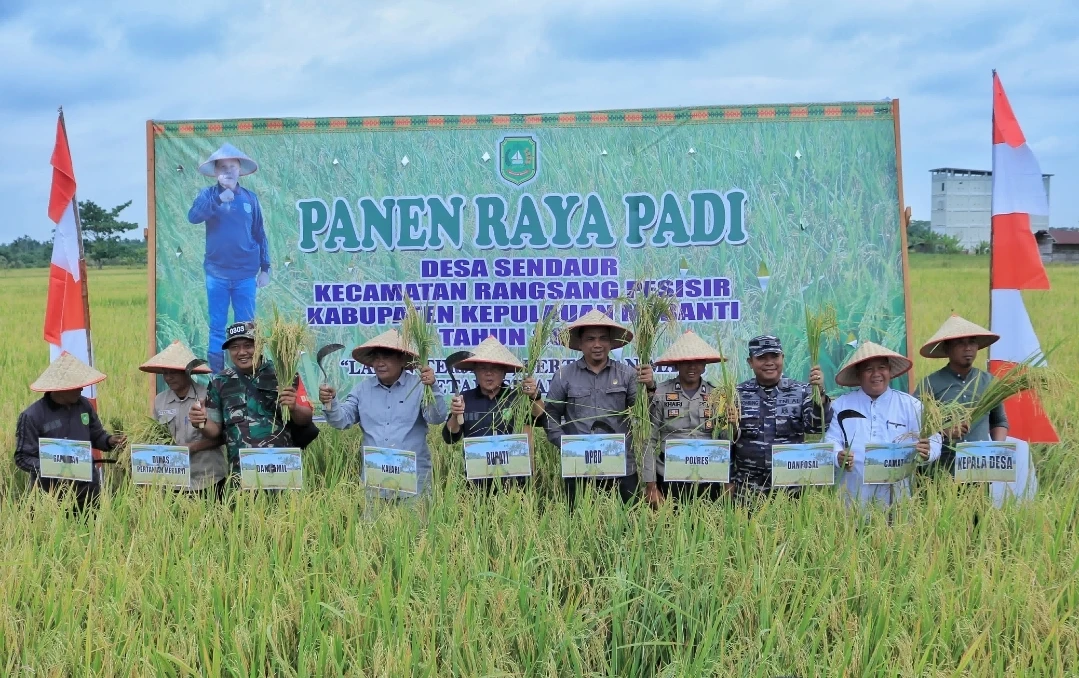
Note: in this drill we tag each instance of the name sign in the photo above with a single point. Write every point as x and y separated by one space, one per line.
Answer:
595 455
887 463
161 465
388 469
696 461
803 464
66 459
271 468
985 461
497 456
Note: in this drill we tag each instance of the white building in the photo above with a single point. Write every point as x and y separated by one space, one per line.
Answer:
962 201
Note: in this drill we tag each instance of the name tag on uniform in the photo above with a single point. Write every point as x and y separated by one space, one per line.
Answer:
271 468
887 463
696 461
803 464
985 461
388 469
597 455
161 465
66 459
502 456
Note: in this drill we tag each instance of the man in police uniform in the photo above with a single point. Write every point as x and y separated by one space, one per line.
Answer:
775 410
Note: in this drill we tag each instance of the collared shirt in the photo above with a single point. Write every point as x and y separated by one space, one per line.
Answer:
675 414
771 415
484 416
207 466
236 246
580 399
241 404
392 416
946 386
892 417
46 419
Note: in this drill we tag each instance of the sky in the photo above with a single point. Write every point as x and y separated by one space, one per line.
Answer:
115 64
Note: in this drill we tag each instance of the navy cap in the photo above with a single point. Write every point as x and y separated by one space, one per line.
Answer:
242 330
766 343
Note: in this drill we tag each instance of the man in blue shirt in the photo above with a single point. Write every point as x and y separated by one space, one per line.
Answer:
237 254
389 406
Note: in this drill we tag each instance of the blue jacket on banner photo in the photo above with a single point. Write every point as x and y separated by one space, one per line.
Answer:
236 246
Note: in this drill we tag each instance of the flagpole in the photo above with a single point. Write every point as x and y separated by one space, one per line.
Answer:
992 114
82 254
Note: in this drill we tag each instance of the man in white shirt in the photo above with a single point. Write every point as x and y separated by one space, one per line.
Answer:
880 415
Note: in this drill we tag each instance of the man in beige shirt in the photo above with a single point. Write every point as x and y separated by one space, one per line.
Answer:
209 467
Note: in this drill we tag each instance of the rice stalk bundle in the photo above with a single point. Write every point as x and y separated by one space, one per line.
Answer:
724 404
939 416
142 431
823 323
1028 375
544 334
652 316
286 341
421 337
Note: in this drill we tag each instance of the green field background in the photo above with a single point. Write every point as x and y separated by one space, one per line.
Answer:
325 582
822 214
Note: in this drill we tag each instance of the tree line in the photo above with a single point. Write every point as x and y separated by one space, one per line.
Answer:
103 244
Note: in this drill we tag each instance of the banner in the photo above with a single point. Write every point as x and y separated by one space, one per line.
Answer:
271 468
387 469
66 459
595 455
748 214
497 456
985 461
887 463
696 460
162 465
803 464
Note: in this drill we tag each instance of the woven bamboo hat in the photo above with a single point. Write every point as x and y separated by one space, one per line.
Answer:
174 358
867 350
390 339
690 348
228 152
620 336
492 352
956 327
66 373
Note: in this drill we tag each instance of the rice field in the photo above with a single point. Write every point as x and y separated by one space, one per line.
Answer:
323 582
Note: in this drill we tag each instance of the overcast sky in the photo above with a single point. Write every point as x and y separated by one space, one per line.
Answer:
114 64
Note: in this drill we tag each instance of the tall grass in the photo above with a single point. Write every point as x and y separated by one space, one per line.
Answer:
325 583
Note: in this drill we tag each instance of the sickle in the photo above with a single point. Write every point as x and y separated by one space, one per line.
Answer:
451 363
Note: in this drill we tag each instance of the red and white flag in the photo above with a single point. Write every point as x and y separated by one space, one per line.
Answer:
67 320
1016 265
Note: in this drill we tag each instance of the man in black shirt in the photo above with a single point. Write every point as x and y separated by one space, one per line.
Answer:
486 409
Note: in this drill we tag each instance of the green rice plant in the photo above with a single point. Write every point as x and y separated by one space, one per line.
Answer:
1029 375
819 325
422 337
544 335
286 342
652 317
725 403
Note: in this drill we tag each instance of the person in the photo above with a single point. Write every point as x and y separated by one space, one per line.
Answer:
775 410
485 409
237 259
389 406
680 408
886 416
594 395
244 402
172 407
959 340
63 412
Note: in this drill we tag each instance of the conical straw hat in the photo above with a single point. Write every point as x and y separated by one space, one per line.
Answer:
175 357
66 373
492 352
620 336
228 152
867 350
956 327
390 339
690 348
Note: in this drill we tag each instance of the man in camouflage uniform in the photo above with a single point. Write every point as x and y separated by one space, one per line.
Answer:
244 402
775 410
